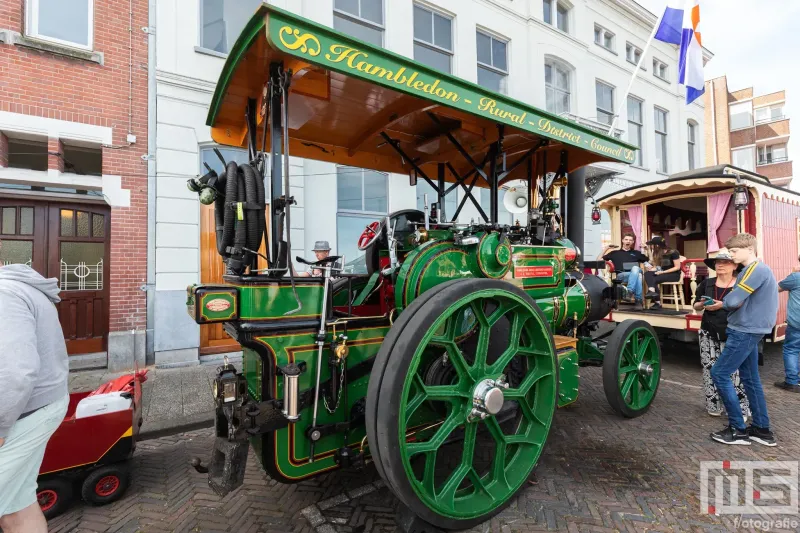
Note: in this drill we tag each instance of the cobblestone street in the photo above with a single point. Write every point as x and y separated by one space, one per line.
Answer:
598 473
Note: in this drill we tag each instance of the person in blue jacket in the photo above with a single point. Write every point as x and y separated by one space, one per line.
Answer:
791 344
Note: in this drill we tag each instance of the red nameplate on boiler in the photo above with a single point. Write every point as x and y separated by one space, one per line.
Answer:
533 272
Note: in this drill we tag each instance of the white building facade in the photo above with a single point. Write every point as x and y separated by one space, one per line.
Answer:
573 58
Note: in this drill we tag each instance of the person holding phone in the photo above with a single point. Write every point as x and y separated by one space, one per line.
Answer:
712 334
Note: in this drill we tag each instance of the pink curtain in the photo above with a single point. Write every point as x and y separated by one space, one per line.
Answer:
635 216
717 207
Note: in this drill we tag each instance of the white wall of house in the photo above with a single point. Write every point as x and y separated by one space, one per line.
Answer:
186 73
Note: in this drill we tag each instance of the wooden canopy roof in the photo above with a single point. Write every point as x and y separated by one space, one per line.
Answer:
346 96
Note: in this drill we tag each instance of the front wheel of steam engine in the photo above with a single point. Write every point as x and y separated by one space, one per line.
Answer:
455 444
632 368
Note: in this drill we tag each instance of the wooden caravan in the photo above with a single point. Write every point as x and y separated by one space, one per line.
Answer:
696 212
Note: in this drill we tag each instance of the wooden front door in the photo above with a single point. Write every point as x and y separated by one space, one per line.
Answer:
69 242
213 338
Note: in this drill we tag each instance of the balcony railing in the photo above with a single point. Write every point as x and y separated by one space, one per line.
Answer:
594 125
771 119
771 160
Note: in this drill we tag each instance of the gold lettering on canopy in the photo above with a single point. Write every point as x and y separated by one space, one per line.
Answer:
300 41
349 57
357 60
490 106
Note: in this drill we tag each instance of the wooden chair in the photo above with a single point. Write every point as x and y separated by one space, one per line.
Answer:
672 292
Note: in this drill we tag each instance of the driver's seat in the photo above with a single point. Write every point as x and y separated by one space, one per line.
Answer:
403 223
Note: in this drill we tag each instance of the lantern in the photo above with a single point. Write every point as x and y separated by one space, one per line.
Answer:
740 197
595 216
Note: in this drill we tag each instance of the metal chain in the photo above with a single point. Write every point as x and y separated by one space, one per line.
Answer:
339 397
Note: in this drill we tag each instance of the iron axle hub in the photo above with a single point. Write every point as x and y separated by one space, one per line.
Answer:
645 369
487 398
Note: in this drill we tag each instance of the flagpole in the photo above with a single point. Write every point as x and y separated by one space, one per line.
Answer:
635 73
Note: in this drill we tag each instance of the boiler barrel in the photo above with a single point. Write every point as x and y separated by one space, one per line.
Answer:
586 298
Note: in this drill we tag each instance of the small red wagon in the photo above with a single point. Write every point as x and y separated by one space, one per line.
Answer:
88 454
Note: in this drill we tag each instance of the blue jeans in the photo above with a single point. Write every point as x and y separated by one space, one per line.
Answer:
633 280
791 355
741 353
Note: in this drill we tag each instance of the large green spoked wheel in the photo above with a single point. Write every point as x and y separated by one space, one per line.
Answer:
632 368
458 413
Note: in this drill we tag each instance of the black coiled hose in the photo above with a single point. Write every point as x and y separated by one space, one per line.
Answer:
244 195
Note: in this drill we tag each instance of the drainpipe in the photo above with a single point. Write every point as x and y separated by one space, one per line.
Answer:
151 181
714 123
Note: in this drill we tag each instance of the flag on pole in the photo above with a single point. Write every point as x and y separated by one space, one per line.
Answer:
680 25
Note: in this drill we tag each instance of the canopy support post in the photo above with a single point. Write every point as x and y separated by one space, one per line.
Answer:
440 169
276 170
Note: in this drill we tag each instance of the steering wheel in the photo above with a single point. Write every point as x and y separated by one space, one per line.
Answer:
370 234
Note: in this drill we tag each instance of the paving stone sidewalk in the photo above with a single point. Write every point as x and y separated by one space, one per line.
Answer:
175 399
598 473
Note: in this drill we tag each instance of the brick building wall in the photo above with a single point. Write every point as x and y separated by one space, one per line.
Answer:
717 119
105 87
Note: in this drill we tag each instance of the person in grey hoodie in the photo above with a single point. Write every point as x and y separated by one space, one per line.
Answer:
33 390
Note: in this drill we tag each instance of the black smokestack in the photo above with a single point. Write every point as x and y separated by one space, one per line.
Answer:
576 190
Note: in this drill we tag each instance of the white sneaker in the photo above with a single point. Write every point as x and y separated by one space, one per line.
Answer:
715 413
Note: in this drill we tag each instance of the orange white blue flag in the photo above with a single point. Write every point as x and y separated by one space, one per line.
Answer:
680 25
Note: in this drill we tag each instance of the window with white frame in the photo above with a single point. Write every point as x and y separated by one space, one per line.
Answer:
221 22
691 136
660 126
557 86
362 198
67 22
774 153
492 62
556 14
744 158
433 39
362 19
636 128
605 102
603 37
633 54
210 158
769 113
450 200
660 69
741 115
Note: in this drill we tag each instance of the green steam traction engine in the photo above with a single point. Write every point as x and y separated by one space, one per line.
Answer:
445 363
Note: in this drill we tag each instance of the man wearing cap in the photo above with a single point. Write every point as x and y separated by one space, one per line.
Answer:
322 249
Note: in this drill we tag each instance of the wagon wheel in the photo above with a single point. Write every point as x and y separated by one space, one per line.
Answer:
105 484
54 496
632 368
456 450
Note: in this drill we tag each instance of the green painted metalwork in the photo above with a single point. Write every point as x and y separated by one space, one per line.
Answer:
516 450
430 264
639 368
290 447
568 378
271 301
540 269
494 255
588 350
